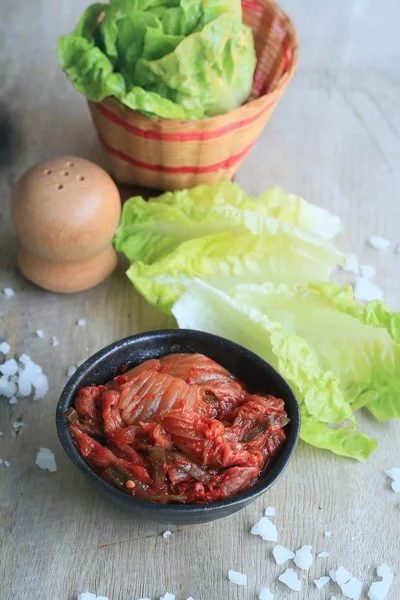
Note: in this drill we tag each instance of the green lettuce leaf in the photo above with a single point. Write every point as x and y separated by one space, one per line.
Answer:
178 59
336 354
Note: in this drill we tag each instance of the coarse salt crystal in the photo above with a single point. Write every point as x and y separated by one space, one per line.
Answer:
7 388
89 596
24 359
328 533
367 271
379 590
166 534
378 242
321 582
54 341
323 555
270 511
303 558
190 598
6 463
9 368
366 291
394 474
46 460
351 264
13 400
332 575
265 594
5 348
144 598
352 589
237 578
71 370
281 554
9 292
265 529
342 576
81 322
290 578
39 333
168 596
17 426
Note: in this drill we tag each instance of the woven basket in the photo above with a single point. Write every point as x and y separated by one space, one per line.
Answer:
170 154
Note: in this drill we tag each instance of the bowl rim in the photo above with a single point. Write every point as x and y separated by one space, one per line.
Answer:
73 385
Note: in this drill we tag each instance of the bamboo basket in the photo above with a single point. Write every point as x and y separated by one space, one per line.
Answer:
167 154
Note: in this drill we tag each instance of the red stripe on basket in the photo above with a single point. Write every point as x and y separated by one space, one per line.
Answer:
193 136
252 6
224 164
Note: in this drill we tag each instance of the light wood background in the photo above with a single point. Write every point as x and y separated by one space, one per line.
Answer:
335 138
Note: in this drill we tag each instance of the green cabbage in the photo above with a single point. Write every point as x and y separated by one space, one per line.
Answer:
218 231
179 59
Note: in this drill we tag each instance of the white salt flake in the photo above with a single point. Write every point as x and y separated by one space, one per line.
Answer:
81 322
9 368
5 348
6 463
265 594
13 400
367 271
190 598
41 385
303 558
394 474
321 582
379 590
238 578
24 359
7 388
332 575
323 555
351 264
166 534
290 578
281 554
39 333
54 341
168 596
366 291
342 576
46 460
9 292
378 242
89 596
17 426
270 511
144 598
328 533
333 598
265 529
352 589
71 370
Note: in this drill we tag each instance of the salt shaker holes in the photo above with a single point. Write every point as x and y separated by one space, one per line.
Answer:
65 173
70 164
80 178
48 172
60 186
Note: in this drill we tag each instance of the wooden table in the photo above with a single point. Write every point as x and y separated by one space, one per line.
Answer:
335 138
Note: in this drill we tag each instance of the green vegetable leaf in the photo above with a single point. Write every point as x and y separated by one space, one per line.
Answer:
177 59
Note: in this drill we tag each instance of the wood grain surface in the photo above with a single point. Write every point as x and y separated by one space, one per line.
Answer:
335 138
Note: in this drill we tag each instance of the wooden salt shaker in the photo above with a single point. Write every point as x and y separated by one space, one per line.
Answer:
65 212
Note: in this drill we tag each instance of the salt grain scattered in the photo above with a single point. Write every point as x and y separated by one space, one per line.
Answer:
265 529
168 596
89 596
54 341
46 460
9 368
238 578
9 292
303 558
13 400
321 582
332 575
6 463
367 271
5 348
328 533
7 388
71 370
166 534
290 578
265 594
281 554
17 426
379 590
270 511
81 322
323 555
351 264
342 576
394 474
378 242
366 291
39 333
352 589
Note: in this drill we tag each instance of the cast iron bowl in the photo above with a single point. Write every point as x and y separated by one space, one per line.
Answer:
256 375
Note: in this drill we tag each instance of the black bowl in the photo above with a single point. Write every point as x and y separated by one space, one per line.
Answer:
256 375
